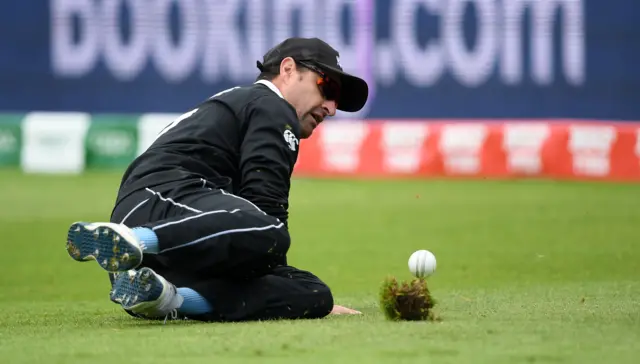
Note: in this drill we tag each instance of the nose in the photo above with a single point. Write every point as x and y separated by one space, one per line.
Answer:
329 107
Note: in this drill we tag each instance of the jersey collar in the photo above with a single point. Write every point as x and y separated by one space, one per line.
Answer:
271 86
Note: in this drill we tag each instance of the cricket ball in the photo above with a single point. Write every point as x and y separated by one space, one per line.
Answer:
422 263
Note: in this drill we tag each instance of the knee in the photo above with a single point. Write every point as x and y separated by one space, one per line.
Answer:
321 302
281 242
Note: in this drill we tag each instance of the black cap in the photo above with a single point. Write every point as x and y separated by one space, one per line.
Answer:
354 91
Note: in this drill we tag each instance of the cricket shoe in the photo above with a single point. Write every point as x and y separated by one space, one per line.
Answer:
146 294
113 246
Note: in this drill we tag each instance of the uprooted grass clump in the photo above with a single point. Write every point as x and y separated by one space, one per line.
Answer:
410 301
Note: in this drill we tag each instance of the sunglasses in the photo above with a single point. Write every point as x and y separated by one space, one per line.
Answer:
329 88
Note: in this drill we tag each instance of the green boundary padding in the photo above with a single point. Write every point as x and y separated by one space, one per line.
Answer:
11 123
122 130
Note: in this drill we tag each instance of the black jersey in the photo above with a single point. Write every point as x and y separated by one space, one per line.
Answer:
247 136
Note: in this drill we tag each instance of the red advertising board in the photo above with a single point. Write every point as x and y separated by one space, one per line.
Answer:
563 149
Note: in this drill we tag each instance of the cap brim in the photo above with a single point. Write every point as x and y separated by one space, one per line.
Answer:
354 91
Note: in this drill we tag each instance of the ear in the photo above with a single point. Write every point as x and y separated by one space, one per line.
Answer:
287 66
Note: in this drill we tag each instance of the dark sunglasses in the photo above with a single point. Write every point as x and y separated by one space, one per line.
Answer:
329 88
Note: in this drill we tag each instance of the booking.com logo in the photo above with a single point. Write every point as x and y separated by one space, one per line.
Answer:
222 40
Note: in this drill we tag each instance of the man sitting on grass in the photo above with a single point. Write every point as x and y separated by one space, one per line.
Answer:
200 224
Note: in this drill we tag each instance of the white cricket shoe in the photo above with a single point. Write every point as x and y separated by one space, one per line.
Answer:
146 293
113 246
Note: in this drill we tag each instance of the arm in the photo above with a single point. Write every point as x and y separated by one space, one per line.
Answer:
271 131
341 310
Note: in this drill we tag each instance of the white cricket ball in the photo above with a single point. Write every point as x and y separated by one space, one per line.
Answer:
422 263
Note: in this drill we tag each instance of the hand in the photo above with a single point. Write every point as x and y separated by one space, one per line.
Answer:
341 310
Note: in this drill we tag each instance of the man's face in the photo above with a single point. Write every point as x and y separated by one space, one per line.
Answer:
310 101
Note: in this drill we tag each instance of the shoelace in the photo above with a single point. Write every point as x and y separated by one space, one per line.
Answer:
170 302
173 314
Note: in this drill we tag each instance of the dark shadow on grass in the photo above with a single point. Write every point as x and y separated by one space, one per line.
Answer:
139 323
132 322
116 320
538 358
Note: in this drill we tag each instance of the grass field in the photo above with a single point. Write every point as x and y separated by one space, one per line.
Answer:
528 272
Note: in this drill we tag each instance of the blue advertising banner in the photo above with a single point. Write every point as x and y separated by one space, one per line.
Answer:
422 58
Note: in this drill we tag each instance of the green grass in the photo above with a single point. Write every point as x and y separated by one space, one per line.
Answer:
528 271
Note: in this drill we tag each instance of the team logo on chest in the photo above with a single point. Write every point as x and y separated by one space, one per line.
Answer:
291 140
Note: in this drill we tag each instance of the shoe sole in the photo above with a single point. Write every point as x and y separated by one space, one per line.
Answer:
137 291
111 245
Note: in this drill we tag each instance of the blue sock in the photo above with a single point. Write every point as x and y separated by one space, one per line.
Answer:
148 238
194 303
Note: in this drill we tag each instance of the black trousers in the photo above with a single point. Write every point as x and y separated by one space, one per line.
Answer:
227 250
